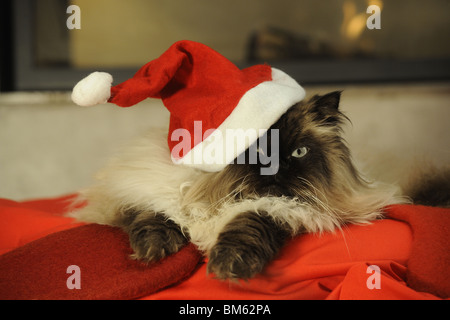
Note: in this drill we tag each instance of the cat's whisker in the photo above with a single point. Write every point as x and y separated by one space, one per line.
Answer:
318 198
315 189
314 196
231 195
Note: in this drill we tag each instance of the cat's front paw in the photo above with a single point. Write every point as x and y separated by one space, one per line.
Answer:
234 261
245 246
153 238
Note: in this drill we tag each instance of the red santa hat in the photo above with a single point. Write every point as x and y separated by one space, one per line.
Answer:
207 97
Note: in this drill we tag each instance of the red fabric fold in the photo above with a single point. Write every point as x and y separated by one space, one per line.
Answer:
410 249
428 265
40 269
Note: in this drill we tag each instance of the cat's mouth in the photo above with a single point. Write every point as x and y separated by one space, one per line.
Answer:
276 189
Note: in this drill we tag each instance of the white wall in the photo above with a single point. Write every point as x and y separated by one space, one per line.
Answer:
50 147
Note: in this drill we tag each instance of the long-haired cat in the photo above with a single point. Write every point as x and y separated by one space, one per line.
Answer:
239 218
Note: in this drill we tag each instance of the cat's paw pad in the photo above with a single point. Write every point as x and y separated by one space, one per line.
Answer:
233 262
152 243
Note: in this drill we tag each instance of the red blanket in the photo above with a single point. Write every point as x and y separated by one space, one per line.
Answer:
47 256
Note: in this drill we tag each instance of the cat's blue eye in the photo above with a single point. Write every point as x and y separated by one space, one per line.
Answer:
300 152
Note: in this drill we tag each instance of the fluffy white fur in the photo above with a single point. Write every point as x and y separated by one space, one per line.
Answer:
143 177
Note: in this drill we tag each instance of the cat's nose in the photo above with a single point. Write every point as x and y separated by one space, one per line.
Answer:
279 169
284 164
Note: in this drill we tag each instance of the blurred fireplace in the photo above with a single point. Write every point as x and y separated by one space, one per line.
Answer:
316 42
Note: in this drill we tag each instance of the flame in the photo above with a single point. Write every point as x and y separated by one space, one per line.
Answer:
354 23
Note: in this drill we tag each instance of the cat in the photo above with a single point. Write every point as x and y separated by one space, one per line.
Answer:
237 217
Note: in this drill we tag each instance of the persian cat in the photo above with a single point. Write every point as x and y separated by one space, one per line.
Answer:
237 217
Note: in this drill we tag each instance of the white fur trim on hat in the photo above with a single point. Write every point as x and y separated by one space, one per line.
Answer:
92 90
258 109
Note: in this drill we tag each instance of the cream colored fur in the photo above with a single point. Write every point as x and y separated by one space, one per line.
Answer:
143 177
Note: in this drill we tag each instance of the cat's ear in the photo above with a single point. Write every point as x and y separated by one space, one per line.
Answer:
330 100
326 108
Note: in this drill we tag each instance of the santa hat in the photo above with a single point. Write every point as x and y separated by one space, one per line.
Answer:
207 97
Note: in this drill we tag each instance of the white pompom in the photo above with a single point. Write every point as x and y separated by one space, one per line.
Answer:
92 90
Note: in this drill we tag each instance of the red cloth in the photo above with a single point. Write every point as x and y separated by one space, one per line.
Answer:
38 245
40 269
429 260
191 78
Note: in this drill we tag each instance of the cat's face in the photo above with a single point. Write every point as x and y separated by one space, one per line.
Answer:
309 152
